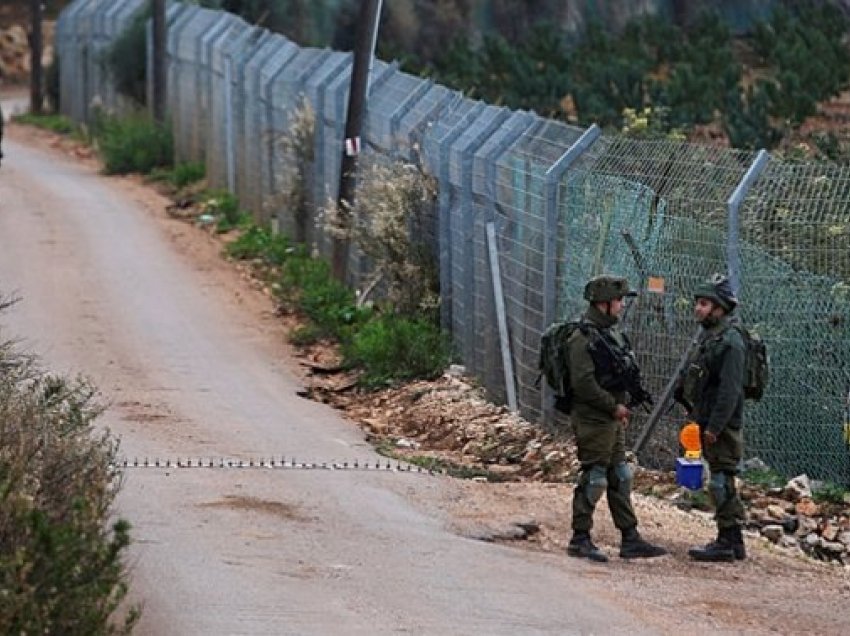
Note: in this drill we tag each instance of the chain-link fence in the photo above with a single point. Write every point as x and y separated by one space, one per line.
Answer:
564 204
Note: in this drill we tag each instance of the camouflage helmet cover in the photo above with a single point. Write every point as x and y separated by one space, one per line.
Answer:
717 289
605 288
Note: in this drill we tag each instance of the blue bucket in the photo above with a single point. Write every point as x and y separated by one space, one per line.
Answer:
689 473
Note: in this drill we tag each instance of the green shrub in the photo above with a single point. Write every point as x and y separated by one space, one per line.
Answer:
224 206
187 173
766 477
747 120
224 203
61 569
391 348
704 72
830 493
134 144
64 580
179 176
257 242
330 305
805 47
305 335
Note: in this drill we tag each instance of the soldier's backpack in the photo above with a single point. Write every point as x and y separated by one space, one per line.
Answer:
756 364
554 362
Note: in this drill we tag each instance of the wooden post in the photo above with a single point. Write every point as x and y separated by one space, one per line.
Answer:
159 78
367 32
36 41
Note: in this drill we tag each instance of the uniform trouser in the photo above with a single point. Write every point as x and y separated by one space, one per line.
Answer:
723 459
601 451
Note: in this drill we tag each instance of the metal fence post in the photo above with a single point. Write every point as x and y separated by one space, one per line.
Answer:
550 240
501 318
733 249
228 124
733 263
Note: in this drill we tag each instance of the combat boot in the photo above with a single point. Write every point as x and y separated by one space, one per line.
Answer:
719 550
635 547
581 546
736 538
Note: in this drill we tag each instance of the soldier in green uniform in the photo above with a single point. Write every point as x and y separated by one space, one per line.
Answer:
711 390
599 416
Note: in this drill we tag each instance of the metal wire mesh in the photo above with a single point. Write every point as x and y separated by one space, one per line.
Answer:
562 213
795 231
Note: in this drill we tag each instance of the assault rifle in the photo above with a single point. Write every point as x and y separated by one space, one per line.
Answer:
622 371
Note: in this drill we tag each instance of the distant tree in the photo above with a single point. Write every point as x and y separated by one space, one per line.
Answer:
804 45
746 118
531 76
609 74
704 71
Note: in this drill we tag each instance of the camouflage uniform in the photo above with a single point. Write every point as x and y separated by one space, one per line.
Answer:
600 437
711 389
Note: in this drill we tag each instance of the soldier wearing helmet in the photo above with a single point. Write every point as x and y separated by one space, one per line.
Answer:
599 416
711 390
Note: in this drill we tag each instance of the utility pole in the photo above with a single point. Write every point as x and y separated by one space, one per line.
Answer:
159 80
36 48
364 51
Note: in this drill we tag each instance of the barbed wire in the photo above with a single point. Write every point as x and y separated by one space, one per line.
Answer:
275 463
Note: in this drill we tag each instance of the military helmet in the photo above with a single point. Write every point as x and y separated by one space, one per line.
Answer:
605 288
718 289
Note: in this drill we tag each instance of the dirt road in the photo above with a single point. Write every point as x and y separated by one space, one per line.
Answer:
191 370
194 364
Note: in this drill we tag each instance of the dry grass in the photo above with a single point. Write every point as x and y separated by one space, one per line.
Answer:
389 222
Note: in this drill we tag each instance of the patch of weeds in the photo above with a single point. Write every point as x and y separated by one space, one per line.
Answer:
305 335
224 224
53 122
830 493
450 468
691 500
307 283
257 242
765 477
134 144
187 173
391 348
160 175
387 448
224 206
700 500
